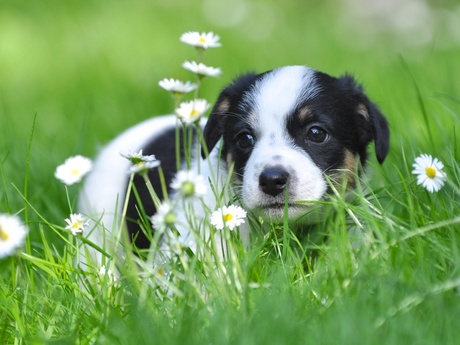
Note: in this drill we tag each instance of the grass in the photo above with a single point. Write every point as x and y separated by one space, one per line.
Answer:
74 75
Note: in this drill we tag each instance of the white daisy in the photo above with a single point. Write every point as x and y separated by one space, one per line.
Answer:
164 218
191 111
177 86
141 163
228 216
12 234
204 40
73 169
136 157
201 69
189 184
76 223
429 172
162 266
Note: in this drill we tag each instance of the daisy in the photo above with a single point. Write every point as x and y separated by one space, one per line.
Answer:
73 169
201 69
177 86
228 216
76 223
141 163
144 166
204 40
429 172
161 271
191 111
136 157
12 234
189 184
164 218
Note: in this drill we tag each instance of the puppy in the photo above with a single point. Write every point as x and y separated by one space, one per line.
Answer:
283 134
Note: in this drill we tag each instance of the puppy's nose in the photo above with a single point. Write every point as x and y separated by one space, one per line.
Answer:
273 180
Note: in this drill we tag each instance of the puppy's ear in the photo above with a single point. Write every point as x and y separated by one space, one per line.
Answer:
379 129
228 99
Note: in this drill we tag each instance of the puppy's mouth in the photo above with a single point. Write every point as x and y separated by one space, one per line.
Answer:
277 210
278 205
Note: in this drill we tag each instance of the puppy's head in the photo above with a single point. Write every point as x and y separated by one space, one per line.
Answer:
287 129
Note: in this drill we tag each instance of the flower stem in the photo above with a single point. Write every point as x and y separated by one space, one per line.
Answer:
153 194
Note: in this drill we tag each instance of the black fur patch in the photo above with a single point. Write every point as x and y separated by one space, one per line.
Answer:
164 149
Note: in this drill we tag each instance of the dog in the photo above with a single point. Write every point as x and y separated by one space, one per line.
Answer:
284 135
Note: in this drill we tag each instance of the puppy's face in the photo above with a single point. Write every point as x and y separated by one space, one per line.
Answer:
286 129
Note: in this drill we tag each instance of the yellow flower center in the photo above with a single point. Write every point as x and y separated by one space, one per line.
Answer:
430 172
170 219
188 188
75 172
228 217
202 39
4 236
194 112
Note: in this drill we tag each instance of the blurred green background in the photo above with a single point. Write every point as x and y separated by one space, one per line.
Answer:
75 73
89 69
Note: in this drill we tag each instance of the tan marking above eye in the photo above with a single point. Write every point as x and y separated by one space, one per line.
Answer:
362 110
223 106
305 114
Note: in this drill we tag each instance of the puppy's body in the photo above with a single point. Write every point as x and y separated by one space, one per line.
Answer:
284 133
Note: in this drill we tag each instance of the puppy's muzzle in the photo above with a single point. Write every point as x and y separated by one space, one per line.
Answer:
273 180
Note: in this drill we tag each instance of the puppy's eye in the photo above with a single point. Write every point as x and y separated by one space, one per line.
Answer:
245 141
317 135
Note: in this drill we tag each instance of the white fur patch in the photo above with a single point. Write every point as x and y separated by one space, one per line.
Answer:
273 100
275 97
306 182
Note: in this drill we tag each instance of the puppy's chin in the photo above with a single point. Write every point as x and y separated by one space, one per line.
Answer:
295 212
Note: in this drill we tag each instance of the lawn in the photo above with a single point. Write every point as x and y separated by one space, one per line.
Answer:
74 74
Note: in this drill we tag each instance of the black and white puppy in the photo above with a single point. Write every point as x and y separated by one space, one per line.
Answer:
285 132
